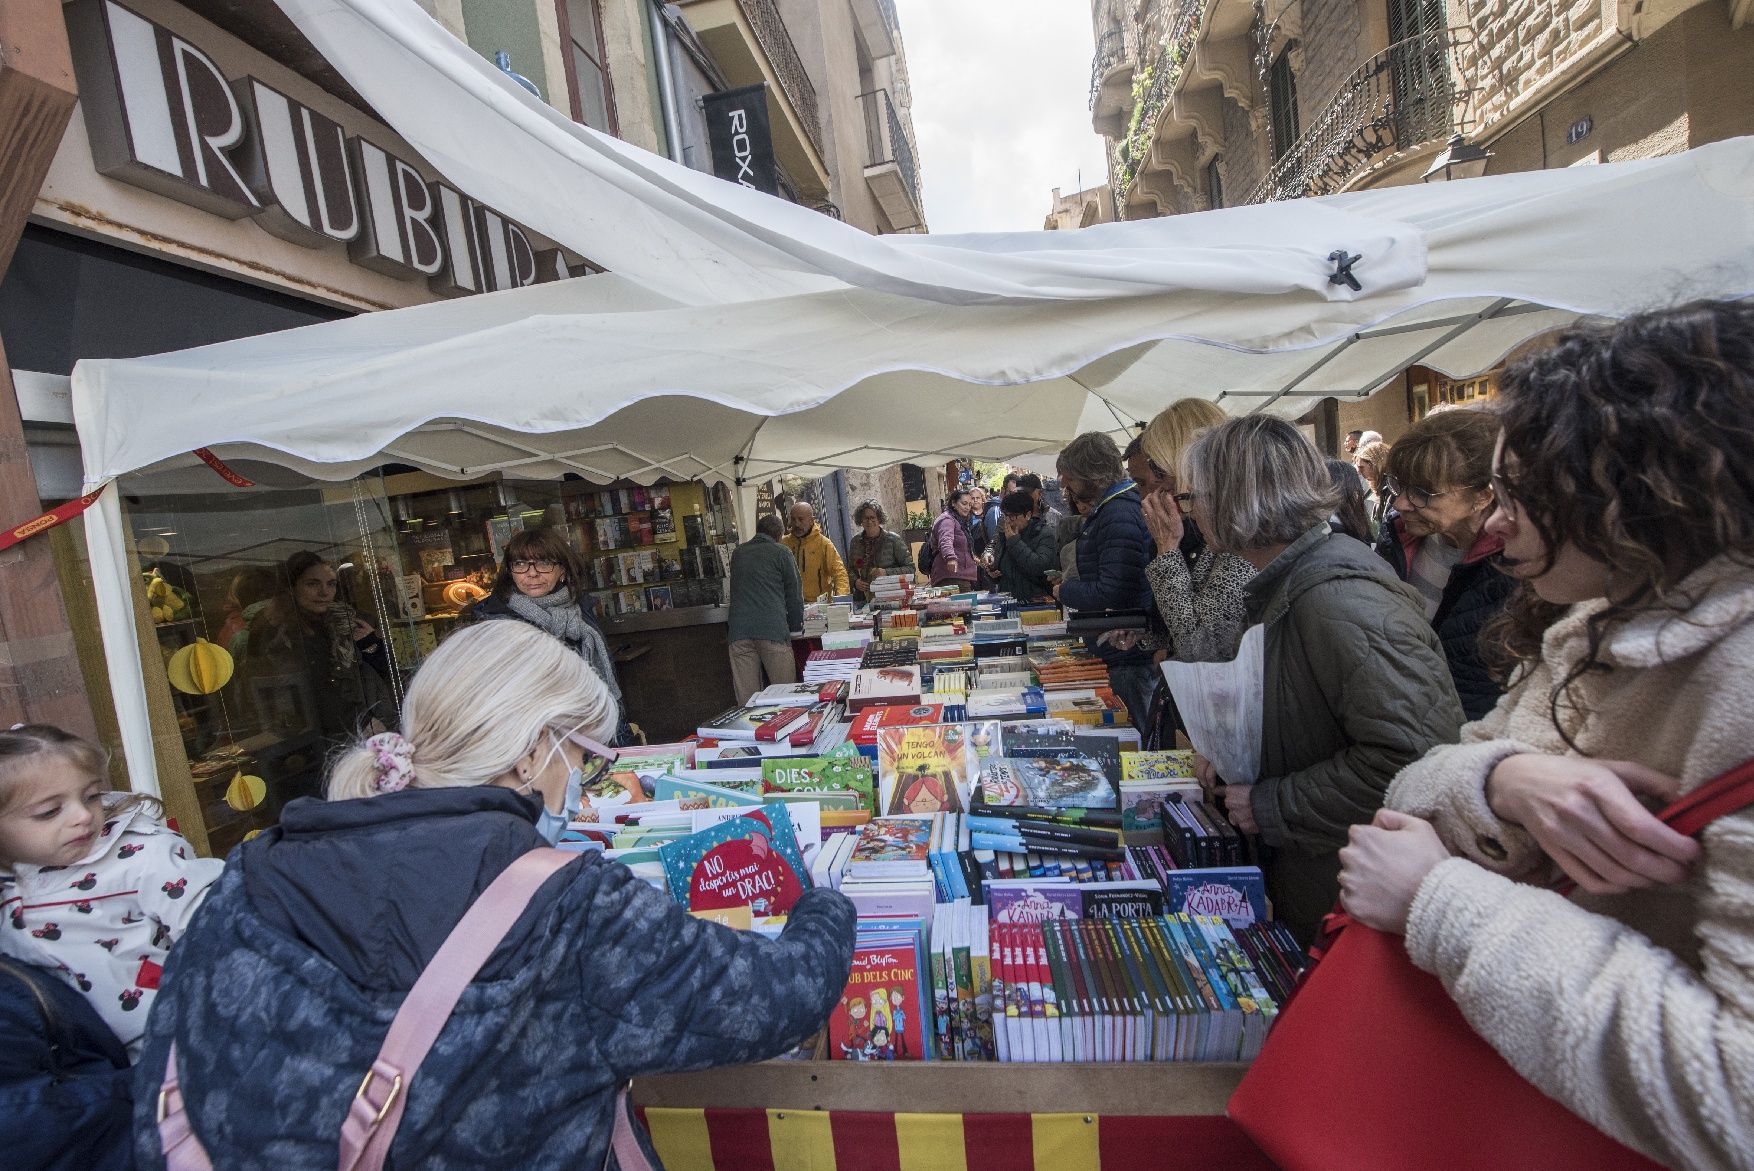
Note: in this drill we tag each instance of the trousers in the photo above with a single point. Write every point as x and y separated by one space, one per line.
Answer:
748 658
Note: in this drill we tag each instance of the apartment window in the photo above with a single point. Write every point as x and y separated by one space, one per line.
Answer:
587 67
1282 103
1214 185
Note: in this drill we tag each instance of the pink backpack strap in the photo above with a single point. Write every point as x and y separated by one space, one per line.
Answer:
376 1109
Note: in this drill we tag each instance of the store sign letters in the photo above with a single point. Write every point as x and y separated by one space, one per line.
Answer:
161 115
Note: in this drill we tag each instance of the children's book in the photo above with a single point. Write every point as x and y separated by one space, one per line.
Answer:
1158 765
1068 781
925 769
1236 894
750 861
892 846
1025 901
820 774
882 1014
692 794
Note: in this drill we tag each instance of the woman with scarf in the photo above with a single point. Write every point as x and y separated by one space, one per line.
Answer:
539 583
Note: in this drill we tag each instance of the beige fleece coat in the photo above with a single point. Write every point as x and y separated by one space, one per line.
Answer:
1635 1011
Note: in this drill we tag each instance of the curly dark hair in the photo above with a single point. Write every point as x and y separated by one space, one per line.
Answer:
870 506
1633 443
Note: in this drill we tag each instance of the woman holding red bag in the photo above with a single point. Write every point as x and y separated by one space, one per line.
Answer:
1625 489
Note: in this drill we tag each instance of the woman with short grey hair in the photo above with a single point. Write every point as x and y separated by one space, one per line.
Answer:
1356 686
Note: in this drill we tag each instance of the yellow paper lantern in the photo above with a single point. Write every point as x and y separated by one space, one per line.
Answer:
201 668
245 792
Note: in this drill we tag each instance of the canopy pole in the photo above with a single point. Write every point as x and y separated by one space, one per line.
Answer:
113 582
746 491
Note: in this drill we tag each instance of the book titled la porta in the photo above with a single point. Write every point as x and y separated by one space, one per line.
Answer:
750 861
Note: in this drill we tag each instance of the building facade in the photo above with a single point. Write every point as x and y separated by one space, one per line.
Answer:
1219 103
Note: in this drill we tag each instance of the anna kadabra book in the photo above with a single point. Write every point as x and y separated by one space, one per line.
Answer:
747 861
882 1014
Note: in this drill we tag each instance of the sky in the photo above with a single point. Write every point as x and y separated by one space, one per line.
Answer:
1001 92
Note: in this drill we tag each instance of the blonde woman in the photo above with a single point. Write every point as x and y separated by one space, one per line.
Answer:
280 994
1198 590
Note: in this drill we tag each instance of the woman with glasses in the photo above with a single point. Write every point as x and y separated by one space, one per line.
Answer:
541 582
281 992
1355 685
875 551
1625 499
1198 590
1435 538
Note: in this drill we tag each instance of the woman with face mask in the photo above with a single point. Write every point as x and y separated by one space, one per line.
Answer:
280 993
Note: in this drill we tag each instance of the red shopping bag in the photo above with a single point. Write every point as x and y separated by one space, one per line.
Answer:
1371 1064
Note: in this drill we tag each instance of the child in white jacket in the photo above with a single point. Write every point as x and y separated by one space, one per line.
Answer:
93 886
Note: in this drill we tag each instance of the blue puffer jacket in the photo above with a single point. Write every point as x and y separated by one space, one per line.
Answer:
281 992
64 1080
1114 546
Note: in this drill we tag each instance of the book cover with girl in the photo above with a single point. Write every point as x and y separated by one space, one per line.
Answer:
94 887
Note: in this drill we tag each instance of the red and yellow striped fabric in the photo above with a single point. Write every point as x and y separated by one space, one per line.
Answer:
805 1140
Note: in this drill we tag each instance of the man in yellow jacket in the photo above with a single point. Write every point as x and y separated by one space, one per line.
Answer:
820 568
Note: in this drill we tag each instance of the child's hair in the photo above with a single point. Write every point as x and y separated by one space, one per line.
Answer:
23 742
479 703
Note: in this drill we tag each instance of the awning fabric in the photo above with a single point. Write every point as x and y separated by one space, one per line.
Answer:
739 337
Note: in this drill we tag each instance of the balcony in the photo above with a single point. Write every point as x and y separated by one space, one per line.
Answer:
1111 84
1172 29
1409 95
877 24
890 171
748 39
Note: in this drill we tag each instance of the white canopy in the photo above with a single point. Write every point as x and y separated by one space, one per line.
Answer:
739 337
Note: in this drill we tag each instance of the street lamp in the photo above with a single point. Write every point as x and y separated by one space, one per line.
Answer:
1460 159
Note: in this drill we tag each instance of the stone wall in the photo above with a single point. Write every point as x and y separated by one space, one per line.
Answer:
1333 47
1519 43
1244 160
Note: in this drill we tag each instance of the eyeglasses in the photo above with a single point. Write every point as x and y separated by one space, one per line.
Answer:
1184 501
603 756
539 566
1420 497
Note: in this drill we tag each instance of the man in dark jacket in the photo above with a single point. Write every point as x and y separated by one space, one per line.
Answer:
1025 550
1114 547
767 604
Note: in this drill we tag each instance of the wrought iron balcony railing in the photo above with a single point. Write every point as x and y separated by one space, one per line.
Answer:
776 42
1410 93
1179 23
887 140
1111 49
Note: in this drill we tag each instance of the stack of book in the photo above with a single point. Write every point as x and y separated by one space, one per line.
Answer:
894 588
884 686
825 665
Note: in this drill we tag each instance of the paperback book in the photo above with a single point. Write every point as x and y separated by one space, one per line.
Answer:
747 861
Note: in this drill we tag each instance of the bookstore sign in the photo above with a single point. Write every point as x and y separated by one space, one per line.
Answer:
162 116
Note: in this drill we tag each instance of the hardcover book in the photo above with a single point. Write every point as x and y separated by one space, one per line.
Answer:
1033 902
743 722
898 846
1236 894
748 861
923 769
1065 782
882 1014
820 774
1162 764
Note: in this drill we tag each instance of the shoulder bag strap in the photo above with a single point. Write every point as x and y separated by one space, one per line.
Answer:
1730 793
376 1109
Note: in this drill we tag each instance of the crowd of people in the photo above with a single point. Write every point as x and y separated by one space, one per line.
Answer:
1550 634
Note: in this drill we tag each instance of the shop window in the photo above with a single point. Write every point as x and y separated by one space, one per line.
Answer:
581 27
1282 103
1214 185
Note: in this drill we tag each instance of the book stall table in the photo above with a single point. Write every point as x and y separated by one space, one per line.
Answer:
948 1116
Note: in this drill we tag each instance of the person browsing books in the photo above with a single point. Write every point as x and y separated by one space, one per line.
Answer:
953 562
1356 687
1025 550
821 572
1624 494
1435 538
1112 549
279 996
766 606
876 551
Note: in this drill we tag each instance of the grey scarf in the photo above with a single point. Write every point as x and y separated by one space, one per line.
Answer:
558 613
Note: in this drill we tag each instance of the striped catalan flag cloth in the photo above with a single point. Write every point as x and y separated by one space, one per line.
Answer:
844 1140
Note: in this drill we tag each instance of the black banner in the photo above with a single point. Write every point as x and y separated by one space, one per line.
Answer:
737 127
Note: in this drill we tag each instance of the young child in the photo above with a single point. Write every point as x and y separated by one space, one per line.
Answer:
92 884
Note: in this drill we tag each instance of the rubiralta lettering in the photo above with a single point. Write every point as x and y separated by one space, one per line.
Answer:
162 116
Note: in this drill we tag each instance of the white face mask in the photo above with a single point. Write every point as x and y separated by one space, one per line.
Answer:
551 825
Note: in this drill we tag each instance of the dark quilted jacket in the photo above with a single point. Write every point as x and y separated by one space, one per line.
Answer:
1476 591
287 980
1114 547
